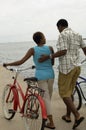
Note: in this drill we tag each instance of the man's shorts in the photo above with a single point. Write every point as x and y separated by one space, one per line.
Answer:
67 82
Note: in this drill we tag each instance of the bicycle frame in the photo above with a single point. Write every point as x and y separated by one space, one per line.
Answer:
16 91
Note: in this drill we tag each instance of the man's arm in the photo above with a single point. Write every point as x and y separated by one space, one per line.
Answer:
52 60
52 56
84 50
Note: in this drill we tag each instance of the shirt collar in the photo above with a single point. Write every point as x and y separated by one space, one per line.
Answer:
66 29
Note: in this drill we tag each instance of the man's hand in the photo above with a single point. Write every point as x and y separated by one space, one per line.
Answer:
43 58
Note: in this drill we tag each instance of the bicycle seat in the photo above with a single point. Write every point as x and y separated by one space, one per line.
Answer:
31 79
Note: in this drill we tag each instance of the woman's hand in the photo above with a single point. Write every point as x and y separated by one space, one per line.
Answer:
4 65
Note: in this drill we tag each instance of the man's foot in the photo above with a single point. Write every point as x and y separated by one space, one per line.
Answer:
77 122
66 119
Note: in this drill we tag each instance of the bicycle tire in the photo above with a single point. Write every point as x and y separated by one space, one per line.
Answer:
7 106
32 114
77 98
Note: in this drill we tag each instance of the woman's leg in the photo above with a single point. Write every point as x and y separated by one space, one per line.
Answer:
44 84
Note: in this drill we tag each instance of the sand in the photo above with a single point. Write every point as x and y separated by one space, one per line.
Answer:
58 108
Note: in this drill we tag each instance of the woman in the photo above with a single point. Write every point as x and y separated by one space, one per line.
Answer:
44 71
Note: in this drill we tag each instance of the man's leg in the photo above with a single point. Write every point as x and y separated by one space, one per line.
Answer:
68 111
66 85
69 103
71 107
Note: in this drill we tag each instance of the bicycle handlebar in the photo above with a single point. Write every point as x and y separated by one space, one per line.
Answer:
18 70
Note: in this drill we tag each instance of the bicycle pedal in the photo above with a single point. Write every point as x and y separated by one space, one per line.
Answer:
11 111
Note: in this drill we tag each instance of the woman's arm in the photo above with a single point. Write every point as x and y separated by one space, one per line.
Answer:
29 53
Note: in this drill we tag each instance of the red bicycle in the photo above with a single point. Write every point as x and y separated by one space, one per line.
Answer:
33 108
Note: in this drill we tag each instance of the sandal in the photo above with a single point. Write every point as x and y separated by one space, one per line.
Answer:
77 122
65 119
48 126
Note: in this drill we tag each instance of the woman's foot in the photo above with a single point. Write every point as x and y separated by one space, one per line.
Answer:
50 126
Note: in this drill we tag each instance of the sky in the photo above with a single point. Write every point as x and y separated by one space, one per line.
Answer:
19 19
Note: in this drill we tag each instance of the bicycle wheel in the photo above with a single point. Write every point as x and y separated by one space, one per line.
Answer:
77 98
32 114
8 103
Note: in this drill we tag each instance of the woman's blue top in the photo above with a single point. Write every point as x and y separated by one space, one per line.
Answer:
44 69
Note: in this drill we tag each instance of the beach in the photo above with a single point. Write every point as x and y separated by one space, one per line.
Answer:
58 108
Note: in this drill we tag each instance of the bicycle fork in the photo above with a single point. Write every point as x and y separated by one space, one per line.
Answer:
15 98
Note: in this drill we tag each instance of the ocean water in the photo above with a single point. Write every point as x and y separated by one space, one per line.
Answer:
10 52
15 51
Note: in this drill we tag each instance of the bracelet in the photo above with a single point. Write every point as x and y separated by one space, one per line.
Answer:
51 56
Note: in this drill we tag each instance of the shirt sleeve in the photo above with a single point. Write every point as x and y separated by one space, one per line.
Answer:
82 43
62 42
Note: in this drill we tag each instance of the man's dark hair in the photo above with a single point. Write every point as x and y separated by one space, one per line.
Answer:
37 37
62 22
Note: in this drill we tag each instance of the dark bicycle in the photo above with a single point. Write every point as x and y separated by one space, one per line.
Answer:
79 93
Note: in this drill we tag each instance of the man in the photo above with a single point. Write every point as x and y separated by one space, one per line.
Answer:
68 46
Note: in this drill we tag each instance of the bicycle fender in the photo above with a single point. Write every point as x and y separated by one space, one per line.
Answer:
43 107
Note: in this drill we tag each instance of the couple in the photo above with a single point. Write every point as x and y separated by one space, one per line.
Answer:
68 46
